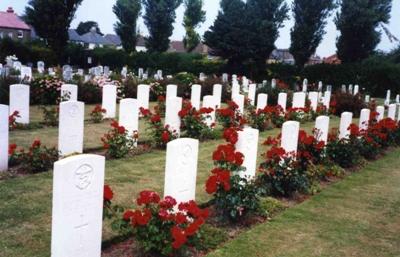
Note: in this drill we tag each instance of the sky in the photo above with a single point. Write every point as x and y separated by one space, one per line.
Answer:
101 12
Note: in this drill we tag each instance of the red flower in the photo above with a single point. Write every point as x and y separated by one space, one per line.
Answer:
155 118
114 124
121 130
179 237
161 98
220 178
354 130
144 112
180 218
193 227
231 135
36 144
165 137
148 197
128 215
141 218
168 202
108 193
276 153
11 149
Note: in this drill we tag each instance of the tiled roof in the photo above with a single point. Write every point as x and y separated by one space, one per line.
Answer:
113 39
12 21
179 47
94 38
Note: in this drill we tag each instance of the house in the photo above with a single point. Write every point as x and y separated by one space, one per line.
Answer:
179 47
333 59
13 26
90 40
281 56
115 40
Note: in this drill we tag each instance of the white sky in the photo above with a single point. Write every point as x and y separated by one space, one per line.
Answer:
101 12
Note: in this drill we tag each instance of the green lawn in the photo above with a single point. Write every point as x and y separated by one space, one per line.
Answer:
358 216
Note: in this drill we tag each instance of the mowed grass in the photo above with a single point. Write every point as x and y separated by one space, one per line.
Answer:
358 216
25 212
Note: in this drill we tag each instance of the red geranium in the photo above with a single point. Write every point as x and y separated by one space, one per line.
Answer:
148 197
108 193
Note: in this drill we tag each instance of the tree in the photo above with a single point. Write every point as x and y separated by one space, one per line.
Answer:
309 27
227 36
51 20
85 27
159 18
358 22
127 12
193 17
264 19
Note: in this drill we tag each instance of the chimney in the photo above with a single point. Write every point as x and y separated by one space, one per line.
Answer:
10 10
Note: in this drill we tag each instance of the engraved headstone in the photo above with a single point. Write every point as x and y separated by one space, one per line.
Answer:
181 169
109 101
196 96
322 128
239 100
209 101
19 101
129 115
247 144
217 93
327 99
26 73
313 97
299 100
78 184
392 111
172 119
252 93
320 86
290 136
225 78
282 99
345 122
367 98
381 112
273 83
40 67
262 101
4 137
172 91
69 92
235 89
364 119
71 126
143 96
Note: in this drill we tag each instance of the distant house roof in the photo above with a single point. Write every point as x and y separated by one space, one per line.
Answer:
74 36
179 47
92 37
282 55
9 19
333 59
113 39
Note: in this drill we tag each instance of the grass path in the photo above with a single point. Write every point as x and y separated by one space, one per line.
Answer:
358 216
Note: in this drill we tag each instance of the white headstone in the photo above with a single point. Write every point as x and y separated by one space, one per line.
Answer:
356 90
225 78
305 85
202 76
350 89
19 101
173 106
320 86
252 93
290 136
78 185
392 111
140 73
299 100
160 74
129 115
40 67
109 100
235 89
322 128
282 99
344 90
143 96
381 113
172 91
397 99
217 93
4 137
196 96
81 72
262 101
273 83
209 101
106 71
69 92
26 73
364 119
327 99
345 122
181 169
124 72
239 100
388 95
367 98
313 97
71 126
248 145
